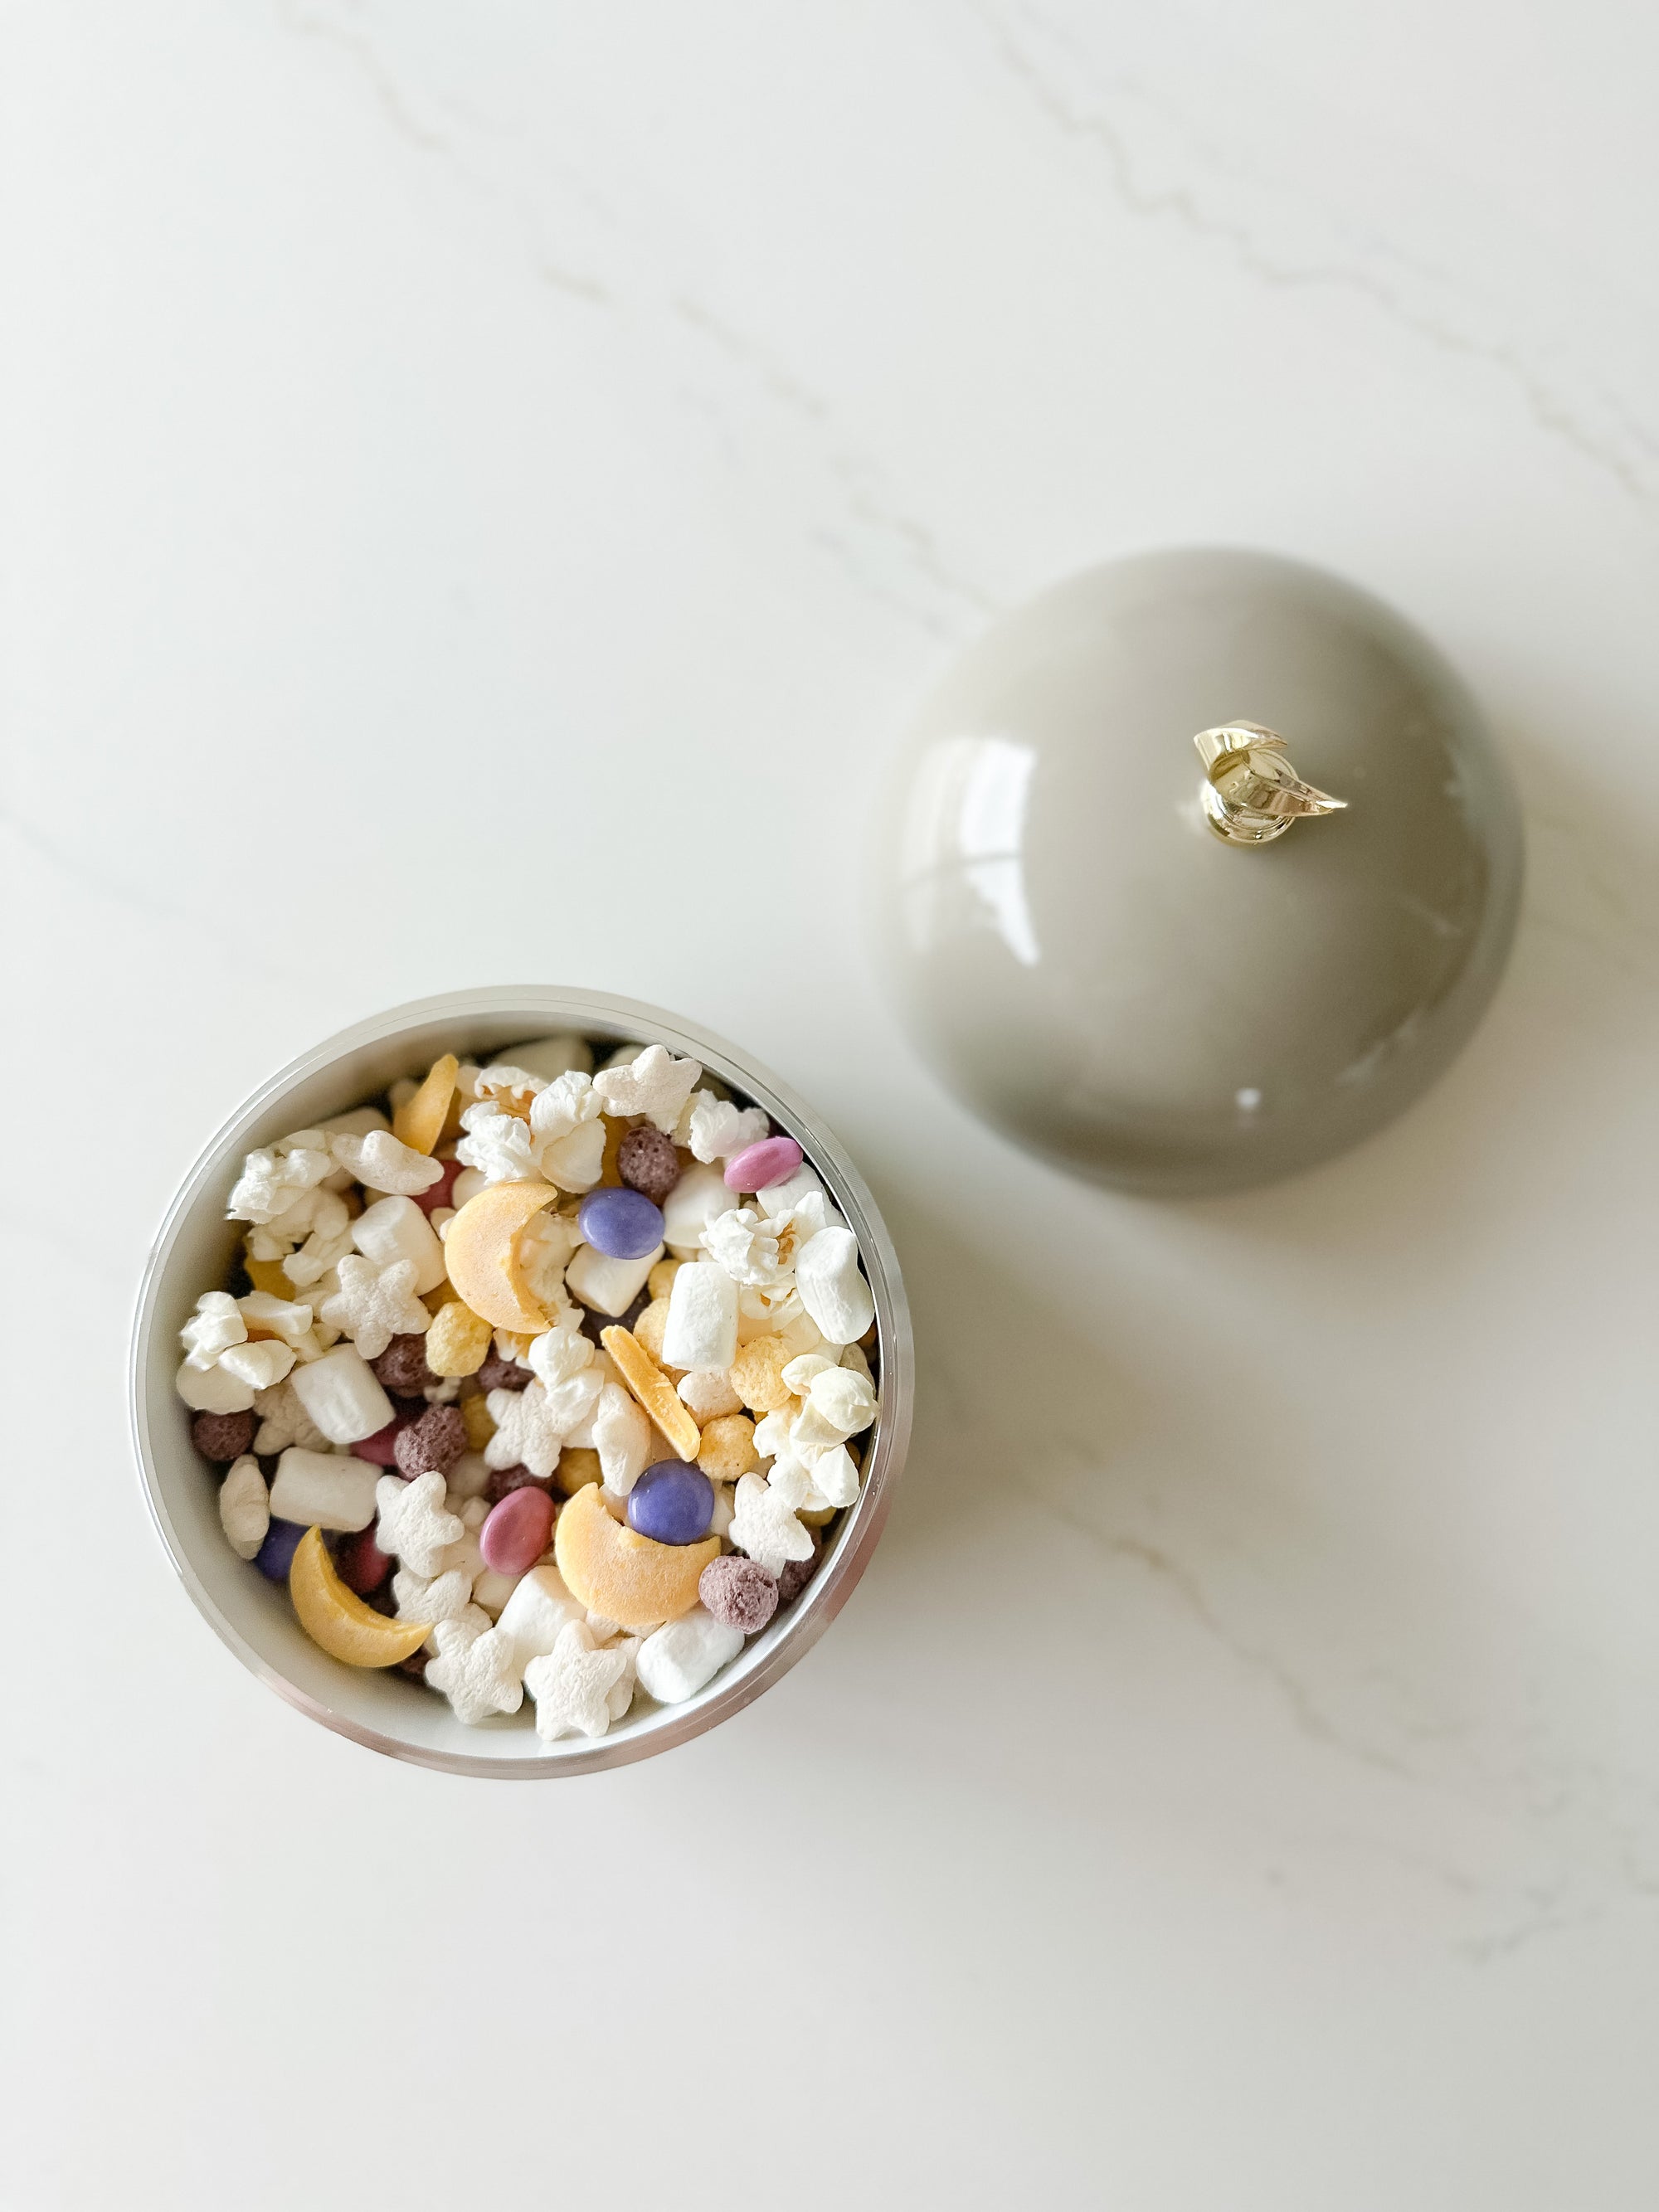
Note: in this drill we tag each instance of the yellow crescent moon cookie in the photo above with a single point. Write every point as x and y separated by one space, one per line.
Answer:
337 1618
619 1574
481 1251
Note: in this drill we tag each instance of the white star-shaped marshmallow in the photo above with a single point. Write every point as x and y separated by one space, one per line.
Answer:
532 1424
764 1524
374 1304
380 1162
414 1526
572 1685
656 1085
476 1671
438 1597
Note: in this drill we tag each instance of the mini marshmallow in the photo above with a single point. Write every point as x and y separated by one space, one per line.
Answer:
678 1658
340 1393
623 1438
375 1304
282 1317
609 1285
244 1507
701 1330
470 1476
698 1198
379 1162
831 1287
394 1229
539 1609
324 1490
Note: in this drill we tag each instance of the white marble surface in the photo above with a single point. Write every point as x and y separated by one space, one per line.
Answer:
482 487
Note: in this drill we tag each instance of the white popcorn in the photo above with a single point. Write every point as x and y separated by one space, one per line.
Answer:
653 1082
703 1319
558 1353
831 1287
499 1145
415 1525
577 1162
772 1430
244 1507
374 1304
746 1247
696 1199
781 1198
394 1229
503 1084
261 1365
341 1396
379 1162
283 1317
567 1104
324 1490
716 1129
622 1438
317 1216
551 1057
545 1244
675 1661
214 1326
764 1524
275 1174
609 1285
213 1390
284 1421
538 1610
573 1683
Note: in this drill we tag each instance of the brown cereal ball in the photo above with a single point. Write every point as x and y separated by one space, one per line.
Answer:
647 1162
578 1465
797 1573
739 1593
758 1374
402 1368
499 1374
709 1394
222 1437
431 1444
660 1280
727 1448
651 1326
503 1481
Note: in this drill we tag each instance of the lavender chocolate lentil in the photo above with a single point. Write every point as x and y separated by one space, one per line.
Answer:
535 1378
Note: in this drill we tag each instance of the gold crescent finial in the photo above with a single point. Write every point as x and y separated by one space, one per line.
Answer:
1251 795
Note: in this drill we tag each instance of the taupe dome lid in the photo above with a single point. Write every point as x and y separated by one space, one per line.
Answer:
1082 959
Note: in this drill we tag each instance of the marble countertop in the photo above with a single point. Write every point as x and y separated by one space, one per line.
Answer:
484 487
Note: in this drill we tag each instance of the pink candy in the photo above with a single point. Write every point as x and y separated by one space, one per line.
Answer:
756 1165
441 1192
517 1531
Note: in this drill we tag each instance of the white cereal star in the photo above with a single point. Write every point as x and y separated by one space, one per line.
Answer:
381 1163
414 1527
764 1524
532 1424
656 1084
374 1304
440 1597
478 1672
572 1686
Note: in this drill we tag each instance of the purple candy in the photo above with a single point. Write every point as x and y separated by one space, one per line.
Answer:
623 1223
276 1555
673 1502
770 1161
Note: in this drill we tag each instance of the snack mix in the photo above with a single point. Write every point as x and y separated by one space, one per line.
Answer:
542 1381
